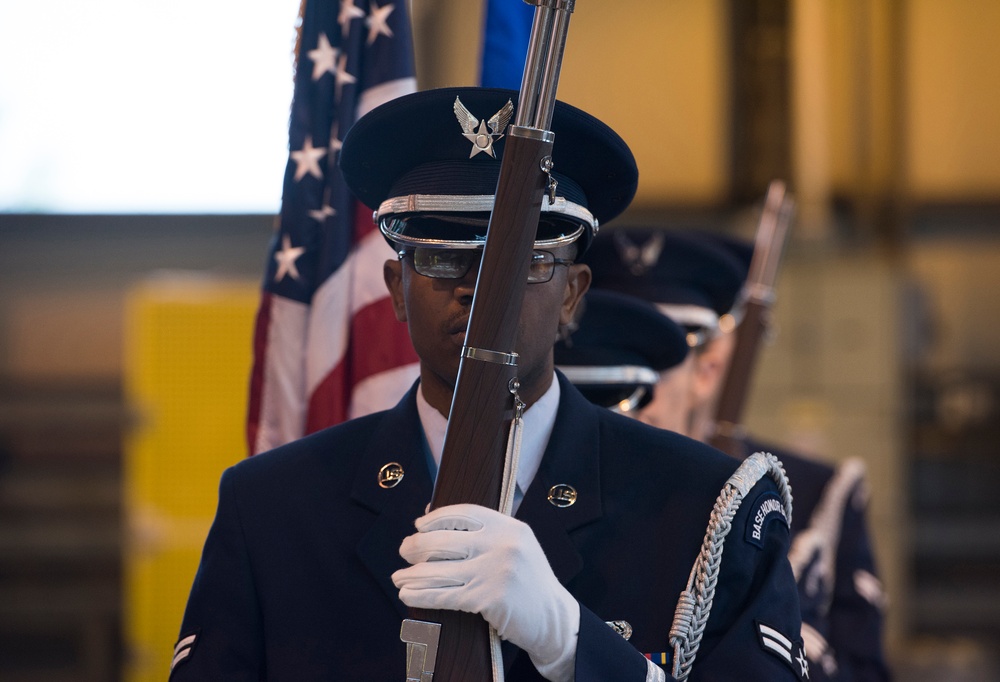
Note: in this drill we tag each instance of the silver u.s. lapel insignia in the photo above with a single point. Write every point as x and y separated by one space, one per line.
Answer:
475 130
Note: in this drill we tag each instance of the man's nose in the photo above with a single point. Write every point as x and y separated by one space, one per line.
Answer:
465 286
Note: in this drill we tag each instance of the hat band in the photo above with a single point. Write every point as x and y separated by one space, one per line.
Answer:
481 203
406 240
599 374
690 315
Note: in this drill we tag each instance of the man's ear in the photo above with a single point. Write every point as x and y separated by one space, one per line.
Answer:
392 273
577 284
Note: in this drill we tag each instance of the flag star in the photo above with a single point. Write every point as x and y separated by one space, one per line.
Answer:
324 57
343 78
321 214
307 160
335 142
377 22
286 259
348 13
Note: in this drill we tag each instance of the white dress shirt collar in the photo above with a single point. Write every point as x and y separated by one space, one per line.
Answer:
538 422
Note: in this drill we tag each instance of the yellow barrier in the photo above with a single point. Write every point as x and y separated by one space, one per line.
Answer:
187 366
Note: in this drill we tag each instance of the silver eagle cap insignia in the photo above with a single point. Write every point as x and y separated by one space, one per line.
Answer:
475 130
639 259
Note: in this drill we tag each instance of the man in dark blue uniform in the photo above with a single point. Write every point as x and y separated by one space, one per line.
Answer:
319 546
695 279
618 348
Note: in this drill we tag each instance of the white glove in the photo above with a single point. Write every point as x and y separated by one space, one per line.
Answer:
469 558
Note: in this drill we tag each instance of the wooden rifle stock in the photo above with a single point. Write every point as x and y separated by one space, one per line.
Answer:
472 461
757 298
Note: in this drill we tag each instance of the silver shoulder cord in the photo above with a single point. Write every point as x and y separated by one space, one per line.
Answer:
823 533
695 603
814 553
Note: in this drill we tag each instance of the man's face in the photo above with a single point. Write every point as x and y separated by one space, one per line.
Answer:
437 314
684 399
671 406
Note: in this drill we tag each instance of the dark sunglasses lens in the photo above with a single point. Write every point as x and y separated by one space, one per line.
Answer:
443 263
456 263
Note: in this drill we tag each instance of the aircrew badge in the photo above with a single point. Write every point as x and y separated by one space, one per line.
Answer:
475 131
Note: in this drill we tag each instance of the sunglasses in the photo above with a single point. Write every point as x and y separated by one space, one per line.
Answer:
456 263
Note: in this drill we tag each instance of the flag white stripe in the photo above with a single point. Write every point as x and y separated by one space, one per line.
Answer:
383 92
282 403
356 284
328 335
382 390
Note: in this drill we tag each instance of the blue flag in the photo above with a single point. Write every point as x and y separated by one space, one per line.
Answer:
505 43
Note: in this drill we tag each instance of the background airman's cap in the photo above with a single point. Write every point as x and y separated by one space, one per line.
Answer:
619 347
693 277
428 164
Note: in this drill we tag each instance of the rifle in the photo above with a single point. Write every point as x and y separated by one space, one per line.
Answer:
756 299
451 646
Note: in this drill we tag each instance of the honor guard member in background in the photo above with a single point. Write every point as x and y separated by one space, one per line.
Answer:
617 348
319 546
695 278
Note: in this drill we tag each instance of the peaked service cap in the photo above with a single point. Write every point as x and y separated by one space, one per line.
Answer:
428 163
619 347
692 277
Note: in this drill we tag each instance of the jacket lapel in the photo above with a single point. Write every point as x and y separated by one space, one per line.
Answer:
572 457
398 438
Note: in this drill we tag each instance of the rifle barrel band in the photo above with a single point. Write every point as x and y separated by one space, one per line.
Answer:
493 356
530 133
568 5
760 293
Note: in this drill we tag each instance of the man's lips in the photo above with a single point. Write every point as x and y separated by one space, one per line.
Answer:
458 328
458 322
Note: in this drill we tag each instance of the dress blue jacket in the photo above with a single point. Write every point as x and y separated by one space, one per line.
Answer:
294 581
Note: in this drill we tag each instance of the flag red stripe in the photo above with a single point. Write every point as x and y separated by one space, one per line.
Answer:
377 322
378 343
329 402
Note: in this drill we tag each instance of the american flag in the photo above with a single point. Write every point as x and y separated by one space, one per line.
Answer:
327 346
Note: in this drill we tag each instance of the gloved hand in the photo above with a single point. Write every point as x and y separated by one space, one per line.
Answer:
469 558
